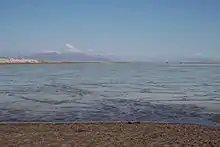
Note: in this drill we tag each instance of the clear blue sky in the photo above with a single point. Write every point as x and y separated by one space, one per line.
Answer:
136 28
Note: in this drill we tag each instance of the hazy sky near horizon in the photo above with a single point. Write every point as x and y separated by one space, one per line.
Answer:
134 28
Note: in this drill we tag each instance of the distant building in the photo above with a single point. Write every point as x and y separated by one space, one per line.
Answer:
3 60
14 60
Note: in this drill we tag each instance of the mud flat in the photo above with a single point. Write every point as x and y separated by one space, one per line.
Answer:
108 134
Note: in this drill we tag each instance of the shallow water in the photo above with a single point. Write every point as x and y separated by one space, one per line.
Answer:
84 92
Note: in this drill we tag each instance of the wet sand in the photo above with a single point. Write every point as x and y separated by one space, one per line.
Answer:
108 134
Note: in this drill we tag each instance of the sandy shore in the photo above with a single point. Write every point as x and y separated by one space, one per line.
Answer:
108 134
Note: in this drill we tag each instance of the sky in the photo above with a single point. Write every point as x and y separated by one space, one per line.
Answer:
141 29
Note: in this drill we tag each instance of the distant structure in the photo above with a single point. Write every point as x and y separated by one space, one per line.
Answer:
18 61
3 60
14 60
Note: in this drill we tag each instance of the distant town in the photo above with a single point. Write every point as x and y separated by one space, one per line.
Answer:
27 61
35 61
18 61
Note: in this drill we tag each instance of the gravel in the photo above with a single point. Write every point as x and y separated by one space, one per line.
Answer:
108 135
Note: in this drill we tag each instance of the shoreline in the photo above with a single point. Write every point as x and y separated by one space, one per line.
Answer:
99 134
66 62
72 62
216 124
55 62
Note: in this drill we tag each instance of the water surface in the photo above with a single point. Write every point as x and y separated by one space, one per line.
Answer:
84 92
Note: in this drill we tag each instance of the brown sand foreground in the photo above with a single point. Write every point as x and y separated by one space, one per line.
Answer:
108 135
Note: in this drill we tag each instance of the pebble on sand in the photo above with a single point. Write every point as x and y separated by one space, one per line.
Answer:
216 118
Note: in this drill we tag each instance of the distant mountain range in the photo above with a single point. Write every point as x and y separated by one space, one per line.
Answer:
71 56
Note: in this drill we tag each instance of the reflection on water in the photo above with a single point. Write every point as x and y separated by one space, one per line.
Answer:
109 92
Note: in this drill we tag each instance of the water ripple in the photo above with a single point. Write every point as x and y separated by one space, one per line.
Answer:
109 92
